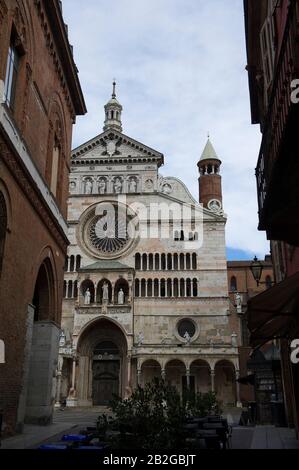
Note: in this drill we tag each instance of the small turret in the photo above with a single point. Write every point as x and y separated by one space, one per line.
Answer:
113 111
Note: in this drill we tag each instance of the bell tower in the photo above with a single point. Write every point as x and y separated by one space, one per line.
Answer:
113 111
210 181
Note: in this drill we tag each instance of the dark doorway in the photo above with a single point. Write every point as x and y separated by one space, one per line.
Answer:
106 371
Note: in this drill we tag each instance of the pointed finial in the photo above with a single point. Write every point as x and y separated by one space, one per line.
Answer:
208 135
114 88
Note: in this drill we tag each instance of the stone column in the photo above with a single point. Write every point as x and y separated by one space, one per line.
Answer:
72 399
188 378
212 380
239 404
139 376
58 384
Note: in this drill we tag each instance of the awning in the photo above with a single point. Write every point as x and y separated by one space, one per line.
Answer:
275 312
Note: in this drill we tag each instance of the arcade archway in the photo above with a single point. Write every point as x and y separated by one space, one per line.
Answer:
103 367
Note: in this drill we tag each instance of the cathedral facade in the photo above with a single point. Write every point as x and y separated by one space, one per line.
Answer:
145 289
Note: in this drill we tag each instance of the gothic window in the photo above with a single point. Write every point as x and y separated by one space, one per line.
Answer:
175 262
144 262
169 262
3 228
12 72
233 284
188 262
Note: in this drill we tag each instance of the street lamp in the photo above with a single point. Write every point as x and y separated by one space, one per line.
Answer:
257 270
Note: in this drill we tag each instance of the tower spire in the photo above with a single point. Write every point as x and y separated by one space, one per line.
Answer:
113 111
114 89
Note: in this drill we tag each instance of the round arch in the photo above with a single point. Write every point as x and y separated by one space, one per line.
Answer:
225 382
103 369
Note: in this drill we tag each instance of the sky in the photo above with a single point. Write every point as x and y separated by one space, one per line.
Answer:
180 72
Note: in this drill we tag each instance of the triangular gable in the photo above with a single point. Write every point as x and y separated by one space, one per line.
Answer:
113 144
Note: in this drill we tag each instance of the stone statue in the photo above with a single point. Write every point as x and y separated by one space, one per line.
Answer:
132 186
88 187
187 337
102 187
140 339
87 297
118 186
239 302
121 297
105 293
234 340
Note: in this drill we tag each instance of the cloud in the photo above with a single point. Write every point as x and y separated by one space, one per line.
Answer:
180 69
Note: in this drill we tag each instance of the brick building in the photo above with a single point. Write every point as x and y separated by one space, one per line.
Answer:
272 29
40 96
242 287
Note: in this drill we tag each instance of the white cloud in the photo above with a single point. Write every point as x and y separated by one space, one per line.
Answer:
180 68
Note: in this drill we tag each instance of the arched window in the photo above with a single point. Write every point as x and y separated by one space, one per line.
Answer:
182 262
195 288
43 298
84 287
182 288
188 261
78 262
169 288
66 265
138 261
182 236
150 288
194 261
70 290
76 289
157 262
143 288
144 262
175 262
72 264
3 228
233 284
163 262
137 288
169 262
151 262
